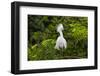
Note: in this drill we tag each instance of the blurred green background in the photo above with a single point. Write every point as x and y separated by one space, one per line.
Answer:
42 37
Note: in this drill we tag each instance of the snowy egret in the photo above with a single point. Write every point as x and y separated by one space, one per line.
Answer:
61 42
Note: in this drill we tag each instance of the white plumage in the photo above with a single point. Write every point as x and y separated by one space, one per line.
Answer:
61 42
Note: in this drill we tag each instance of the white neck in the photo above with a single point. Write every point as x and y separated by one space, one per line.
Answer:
61 34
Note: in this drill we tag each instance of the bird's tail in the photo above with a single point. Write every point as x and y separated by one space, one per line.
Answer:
60 28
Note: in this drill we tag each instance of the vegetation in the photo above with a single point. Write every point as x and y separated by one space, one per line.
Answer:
42 36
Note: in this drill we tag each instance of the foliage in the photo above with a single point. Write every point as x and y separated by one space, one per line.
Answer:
42 37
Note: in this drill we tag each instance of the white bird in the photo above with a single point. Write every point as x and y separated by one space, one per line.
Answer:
61 42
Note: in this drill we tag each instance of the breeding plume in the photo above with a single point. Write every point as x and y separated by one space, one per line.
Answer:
61 42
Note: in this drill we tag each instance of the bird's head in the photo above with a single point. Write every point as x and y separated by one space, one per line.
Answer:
60 27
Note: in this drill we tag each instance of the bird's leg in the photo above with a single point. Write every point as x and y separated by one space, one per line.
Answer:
62 52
